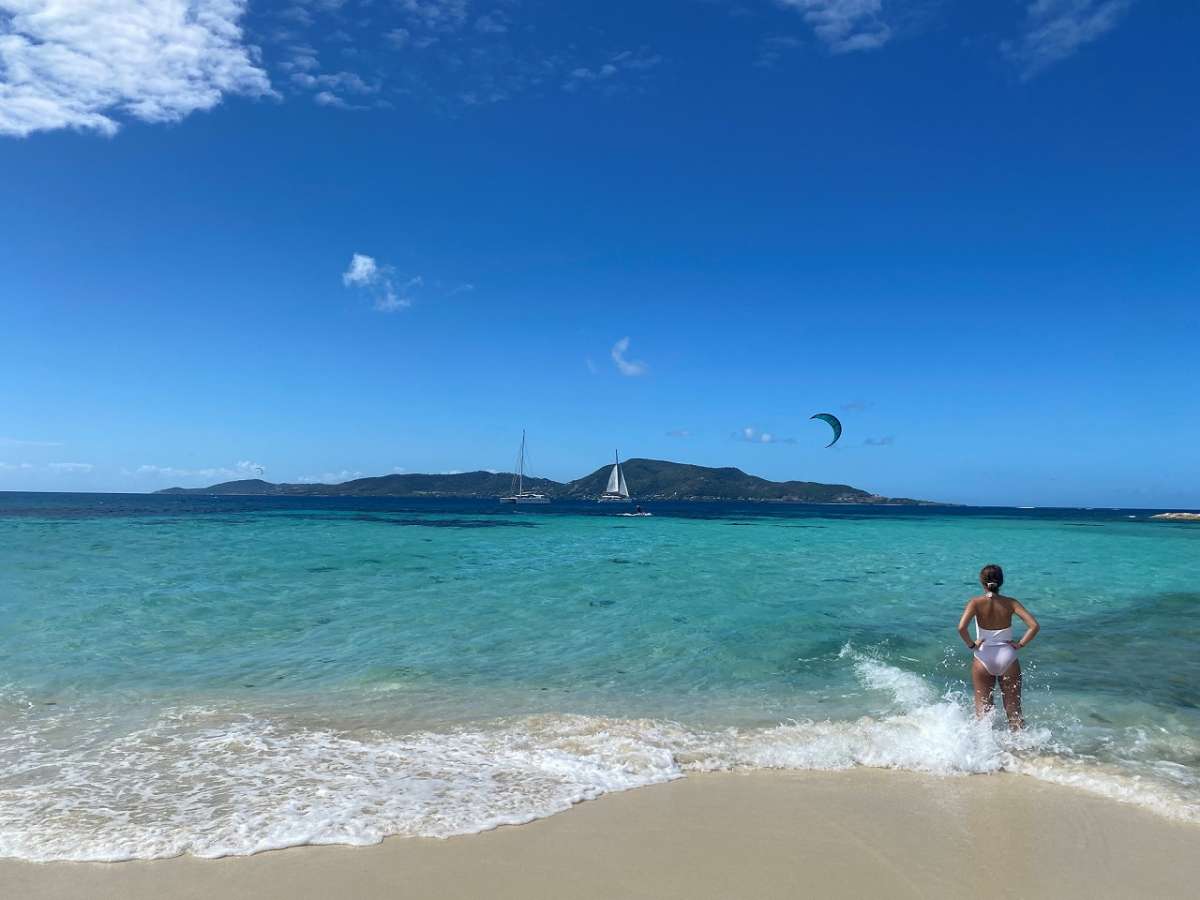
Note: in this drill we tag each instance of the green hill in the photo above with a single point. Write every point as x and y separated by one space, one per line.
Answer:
654 479
459 484
648 479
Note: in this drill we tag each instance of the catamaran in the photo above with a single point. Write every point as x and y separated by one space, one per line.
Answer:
519 494
617 491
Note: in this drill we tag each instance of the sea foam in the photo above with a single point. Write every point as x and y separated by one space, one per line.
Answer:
201 781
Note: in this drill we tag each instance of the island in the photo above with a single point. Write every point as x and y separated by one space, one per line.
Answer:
650 479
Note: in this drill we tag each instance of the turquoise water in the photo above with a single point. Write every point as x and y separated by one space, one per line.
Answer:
221 678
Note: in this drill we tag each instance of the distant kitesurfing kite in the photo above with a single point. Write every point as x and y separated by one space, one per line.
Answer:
833 423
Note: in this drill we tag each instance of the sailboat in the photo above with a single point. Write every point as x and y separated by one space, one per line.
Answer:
617 491
519 494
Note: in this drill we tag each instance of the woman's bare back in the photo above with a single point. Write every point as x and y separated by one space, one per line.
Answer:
993 611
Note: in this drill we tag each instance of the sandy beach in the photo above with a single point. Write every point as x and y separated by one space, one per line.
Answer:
760 834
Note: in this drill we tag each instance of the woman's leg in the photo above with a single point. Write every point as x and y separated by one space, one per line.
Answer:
985 683
1010 686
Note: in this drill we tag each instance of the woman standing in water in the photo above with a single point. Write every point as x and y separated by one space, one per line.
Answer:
995 650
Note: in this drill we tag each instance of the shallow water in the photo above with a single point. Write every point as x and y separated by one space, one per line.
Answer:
220 676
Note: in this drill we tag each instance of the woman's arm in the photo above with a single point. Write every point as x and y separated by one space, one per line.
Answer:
967 616
1031 624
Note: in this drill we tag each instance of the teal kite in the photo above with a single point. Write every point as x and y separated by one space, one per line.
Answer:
833 423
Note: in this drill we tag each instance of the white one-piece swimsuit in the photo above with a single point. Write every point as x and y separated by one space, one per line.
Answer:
997 652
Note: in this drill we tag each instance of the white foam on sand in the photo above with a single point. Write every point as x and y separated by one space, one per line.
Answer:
208 783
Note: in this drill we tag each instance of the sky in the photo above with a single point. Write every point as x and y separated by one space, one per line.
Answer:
319 239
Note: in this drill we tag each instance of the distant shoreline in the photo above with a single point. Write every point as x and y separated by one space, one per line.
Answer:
882 501
650 480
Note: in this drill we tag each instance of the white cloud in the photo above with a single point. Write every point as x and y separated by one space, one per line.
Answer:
591 366
380 282
679 433
630 367
303 59
362 272
70 467
241 469
845 25
326 98
1055 29
886 441
10 467
330 87
755 436
338 81
84 63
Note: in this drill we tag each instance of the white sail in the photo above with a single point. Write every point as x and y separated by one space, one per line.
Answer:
616 481
622 489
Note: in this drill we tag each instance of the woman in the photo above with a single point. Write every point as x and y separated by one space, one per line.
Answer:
995 650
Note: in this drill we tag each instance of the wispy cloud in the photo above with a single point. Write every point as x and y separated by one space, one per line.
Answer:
885 441
85 63
54 467
845 25
17 442
335 477
591 366
436 15
495 22
1055 29
756 436
856 406
387 293
679 433
629 367
773 48
607 74
241 469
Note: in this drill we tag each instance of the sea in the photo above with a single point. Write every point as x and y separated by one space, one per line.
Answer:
220 676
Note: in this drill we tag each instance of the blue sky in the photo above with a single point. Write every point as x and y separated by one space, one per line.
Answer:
328 238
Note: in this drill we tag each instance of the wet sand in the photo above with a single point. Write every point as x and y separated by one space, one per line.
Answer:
756 835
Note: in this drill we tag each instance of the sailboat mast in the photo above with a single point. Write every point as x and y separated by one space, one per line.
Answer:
521 466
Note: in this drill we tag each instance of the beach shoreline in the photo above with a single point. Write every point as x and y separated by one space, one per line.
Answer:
754 834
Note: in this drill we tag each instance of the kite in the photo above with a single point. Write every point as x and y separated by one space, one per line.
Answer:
833 423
